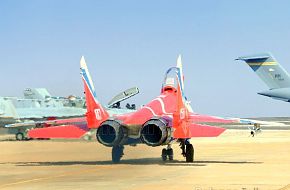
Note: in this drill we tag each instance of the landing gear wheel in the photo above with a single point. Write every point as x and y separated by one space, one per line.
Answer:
19 136
164 154
189 154
117 153
170 154
167 153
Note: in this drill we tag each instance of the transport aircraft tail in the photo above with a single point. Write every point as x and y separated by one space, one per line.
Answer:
268 69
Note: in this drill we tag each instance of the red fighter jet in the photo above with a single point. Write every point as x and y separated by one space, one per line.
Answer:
163 121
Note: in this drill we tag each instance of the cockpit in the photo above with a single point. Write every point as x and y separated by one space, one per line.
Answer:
170 82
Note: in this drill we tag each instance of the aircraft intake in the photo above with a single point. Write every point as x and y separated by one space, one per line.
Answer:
111 133
156 132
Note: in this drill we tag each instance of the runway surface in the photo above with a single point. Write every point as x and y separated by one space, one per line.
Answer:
231 161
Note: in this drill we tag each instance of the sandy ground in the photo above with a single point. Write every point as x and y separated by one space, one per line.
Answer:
231 161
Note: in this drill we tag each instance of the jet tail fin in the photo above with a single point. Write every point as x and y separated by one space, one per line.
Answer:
7 108
96 114
179 66
181 115
182 122
268 69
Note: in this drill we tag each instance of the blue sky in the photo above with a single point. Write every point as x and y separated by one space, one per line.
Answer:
132 43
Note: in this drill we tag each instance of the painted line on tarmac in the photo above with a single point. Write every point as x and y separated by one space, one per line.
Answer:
286 187
47 178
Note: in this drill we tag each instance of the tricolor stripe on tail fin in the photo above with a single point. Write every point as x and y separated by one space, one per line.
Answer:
179 66
181 115
96 114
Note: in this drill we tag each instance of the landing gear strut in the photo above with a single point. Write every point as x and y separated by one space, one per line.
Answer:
167 152
117 153
187 150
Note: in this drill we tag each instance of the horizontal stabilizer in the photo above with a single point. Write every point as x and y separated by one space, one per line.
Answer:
197 118
67 131
254 57
198 130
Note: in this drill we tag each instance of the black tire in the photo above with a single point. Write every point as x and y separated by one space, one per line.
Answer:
164 154
19 136
170 154
117 153
189 153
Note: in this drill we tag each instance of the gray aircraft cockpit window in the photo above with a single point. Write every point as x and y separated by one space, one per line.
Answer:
170 80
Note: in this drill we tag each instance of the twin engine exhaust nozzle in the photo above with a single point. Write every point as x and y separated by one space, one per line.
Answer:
154 132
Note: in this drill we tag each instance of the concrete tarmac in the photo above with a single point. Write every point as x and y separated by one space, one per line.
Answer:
232 161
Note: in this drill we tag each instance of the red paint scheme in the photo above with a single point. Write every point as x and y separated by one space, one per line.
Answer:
197 118
66 121
169 104
197 130
62 128
93 108
181 118
66 132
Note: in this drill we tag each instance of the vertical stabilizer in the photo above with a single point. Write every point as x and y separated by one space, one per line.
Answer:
268 69
96 114
7 109
179 66
180 116
36 93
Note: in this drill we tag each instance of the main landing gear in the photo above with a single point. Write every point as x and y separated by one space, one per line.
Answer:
167 153
117 153
187 150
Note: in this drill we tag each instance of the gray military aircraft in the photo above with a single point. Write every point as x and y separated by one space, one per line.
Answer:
19 115
38 104
272 74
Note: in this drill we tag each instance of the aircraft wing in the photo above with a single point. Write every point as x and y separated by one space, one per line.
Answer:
191 130
29 123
